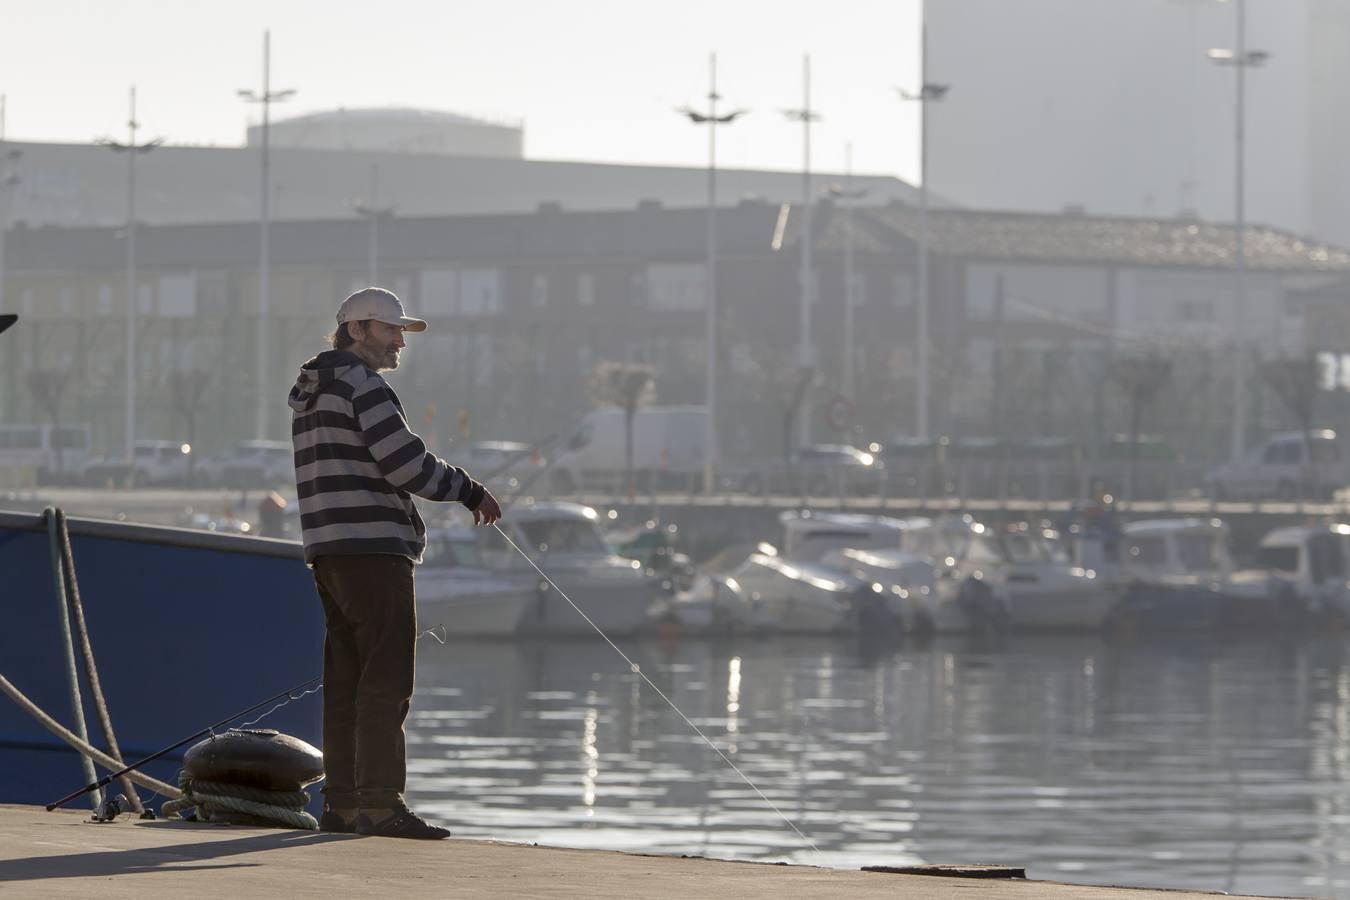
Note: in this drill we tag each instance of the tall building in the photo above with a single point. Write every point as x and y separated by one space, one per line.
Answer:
1114 107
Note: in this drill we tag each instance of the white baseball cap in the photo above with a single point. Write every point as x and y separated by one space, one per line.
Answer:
380 305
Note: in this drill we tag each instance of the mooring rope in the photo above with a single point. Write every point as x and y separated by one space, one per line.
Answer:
637 670
83 746
68 646
90 666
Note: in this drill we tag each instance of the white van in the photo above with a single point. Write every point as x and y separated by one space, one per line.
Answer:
46 454
667 448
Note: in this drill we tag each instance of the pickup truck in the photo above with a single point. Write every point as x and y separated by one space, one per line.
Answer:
153 464
1282 467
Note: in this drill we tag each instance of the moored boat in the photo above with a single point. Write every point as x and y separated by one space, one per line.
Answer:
1182 577
187 627
457 590
564 541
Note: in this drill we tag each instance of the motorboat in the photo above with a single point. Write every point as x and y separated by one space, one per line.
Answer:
1306 568
606 591
1020 577
456 589
712 604
955 573
873 548
1045 586
1182 577
784 595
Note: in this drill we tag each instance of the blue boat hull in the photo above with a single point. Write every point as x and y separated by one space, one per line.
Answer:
187 628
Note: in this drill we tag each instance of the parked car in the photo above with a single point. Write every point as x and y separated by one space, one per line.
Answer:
1286 465
153 464
820 469
255 463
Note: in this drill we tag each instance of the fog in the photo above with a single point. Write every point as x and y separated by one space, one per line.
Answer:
1087 279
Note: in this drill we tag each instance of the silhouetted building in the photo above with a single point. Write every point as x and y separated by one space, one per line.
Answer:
1028 312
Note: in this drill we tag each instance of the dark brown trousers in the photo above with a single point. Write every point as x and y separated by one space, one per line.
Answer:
368 662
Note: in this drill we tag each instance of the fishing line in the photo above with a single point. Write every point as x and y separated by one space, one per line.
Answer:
437 633
637 670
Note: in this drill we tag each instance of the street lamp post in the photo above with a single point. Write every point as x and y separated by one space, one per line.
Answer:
805 348
132 150
1241 59
711 440
928 93
373 213
267 97
846 195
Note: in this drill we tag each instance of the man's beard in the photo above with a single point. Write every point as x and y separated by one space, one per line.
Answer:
384 355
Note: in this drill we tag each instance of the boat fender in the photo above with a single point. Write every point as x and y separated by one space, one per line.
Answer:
255 757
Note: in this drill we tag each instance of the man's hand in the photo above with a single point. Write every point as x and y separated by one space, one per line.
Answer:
488 511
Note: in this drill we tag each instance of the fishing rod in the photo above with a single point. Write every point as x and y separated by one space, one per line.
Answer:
108 779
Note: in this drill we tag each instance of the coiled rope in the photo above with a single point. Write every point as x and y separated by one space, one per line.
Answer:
218 801
637 670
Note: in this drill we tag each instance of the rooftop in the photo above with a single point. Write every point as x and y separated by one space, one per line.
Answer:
1072 237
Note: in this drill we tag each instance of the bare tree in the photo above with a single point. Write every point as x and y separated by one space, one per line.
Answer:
187 389
1141 378
628 386
47 386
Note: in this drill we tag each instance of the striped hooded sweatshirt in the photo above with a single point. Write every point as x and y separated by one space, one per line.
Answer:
357 463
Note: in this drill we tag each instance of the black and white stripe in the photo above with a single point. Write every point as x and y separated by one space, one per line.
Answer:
357 463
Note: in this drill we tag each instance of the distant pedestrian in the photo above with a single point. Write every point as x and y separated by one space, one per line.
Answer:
357 465
272 515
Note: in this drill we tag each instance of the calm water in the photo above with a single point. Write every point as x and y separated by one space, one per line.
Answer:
1195 763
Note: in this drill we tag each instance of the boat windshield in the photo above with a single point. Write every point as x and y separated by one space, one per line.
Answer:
563 536
1198 552
983 550
1028 547
1147 551
445 550
1284 559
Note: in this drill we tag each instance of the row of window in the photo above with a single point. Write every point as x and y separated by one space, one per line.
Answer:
439 292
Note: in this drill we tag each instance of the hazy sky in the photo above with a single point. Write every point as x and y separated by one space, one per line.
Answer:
591 79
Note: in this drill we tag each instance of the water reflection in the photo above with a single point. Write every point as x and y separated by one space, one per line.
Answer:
1184 763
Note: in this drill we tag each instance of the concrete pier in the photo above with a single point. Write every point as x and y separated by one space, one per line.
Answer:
62 854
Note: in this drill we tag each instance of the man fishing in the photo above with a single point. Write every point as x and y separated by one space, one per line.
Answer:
357 465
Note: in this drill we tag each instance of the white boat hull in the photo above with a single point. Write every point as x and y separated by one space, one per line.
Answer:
471 607
617 603
784 597
1078 610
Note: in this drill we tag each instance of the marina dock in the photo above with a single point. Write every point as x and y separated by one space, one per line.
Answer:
62 854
